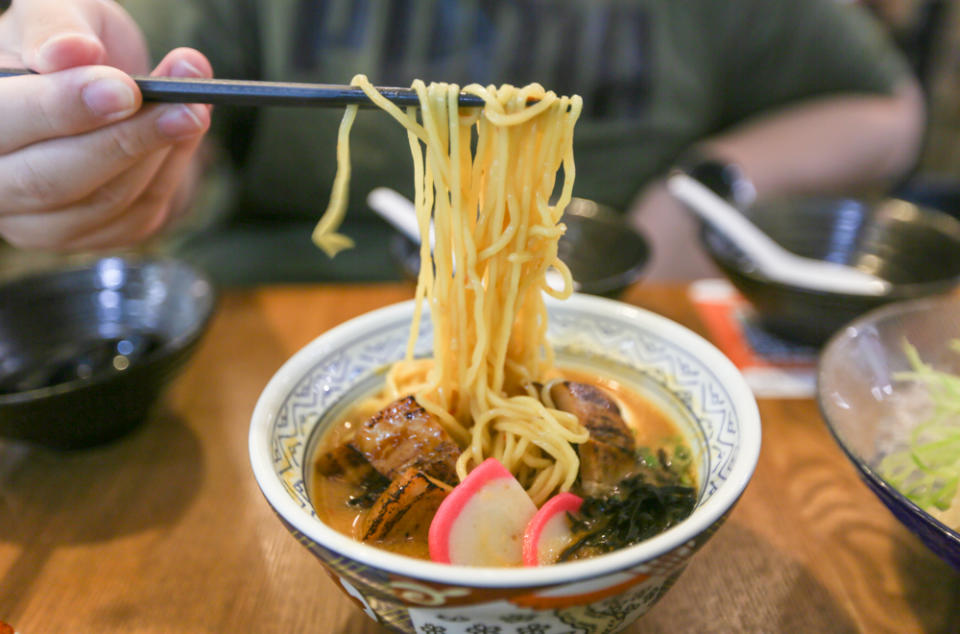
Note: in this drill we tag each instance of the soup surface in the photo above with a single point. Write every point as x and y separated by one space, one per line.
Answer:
344 504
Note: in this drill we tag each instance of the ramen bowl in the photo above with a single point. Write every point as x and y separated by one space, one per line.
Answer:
872 409
86 351
683 374
916 249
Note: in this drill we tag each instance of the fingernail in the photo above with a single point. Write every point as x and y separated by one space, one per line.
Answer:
183 68
179 121
109 97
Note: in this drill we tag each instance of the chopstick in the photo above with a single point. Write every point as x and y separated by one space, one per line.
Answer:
263 93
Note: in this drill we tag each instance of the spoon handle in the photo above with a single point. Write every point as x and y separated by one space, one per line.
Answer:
767 255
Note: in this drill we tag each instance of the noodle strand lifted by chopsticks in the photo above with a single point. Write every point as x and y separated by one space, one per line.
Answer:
484 178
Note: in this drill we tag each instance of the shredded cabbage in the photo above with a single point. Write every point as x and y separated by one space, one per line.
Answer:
927 470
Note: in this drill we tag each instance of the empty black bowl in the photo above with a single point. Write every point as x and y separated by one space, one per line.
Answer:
915 248
604 253
85 352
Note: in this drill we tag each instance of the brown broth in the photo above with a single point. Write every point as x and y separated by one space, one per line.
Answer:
652 427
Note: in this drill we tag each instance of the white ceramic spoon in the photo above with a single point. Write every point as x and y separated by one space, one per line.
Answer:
770 258
399 211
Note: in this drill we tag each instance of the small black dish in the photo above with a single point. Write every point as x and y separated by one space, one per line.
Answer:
915 248
604 253
85 352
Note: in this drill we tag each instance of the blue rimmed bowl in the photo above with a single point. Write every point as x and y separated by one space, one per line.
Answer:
872 411
690 379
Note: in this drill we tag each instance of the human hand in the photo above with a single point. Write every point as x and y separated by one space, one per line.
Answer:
83 164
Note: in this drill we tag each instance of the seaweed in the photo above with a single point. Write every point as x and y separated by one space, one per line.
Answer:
638 508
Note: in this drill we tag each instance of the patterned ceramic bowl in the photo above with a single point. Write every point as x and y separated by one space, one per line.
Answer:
683 373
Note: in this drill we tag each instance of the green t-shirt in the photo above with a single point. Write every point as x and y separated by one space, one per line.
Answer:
655 75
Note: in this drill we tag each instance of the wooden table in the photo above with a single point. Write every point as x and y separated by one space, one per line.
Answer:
166 530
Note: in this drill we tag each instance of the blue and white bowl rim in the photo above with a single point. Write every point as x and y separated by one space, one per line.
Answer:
706 369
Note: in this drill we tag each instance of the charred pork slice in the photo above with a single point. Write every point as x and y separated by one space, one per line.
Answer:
403 435
610 454
404 511
350 466
603 466
596 411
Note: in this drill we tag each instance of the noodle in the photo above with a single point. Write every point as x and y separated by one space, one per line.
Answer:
484 178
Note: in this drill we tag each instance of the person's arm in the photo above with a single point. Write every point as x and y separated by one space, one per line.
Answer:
83 164
842 143
813 97
846 144
808 97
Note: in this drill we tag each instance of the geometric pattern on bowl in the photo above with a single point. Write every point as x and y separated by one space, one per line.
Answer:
677 368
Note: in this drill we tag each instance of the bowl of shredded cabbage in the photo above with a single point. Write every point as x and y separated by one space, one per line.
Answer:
889 389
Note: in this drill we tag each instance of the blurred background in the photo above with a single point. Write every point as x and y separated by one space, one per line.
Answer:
927 31
928 34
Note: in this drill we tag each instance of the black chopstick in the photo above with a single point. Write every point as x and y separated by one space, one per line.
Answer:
263 93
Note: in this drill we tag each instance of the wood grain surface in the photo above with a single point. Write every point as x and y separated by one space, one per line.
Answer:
166 530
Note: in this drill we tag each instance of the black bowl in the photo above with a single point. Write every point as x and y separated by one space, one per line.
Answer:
915 248
85 352
604 253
